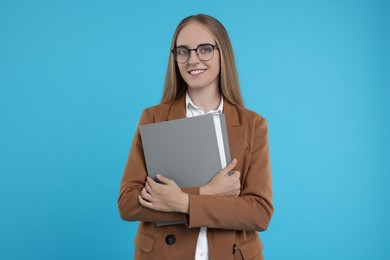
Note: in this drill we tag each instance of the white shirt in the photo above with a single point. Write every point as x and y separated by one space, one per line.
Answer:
202 248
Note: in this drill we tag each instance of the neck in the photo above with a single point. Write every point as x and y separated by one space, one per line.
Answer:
206 98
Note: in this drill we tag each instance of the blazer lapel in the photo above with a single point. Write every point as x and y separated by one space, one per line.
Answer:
177 109
234 128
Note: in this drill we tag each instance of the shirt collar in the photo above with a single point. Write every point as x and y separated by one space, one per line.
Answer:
190 106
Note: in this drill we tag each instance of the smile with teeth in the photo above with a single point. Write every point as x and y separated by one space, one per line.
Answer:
196 72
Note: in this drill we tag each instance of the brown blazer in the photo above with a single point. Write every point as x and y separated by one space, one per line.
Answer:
232 222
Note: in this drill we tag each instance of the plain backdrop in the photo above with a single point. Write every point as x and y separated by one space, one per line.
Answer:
76 75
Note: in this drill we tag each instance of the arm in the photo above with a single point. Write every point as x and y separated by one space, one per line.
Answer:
166 196
253 209
133 181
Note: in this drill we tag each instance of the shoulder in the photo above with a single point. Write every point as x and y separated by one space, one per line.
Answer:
254 125
158 109
250 114
155 113
250 117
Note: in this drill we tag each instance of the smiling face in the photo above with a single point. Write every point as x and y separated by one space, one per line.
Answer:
196 73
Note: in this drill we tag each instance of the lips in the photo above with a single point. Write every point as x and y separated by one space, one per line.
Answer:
196 72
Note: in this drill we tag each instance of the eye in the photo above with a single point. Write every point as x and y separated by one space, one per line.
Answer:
205 49
181 51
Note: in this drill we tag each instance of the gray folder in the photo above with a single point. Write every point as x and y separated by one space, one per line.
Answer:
186 150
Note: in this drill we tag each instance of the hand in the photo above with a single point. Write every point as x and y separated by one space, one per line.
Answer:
223 184
165 197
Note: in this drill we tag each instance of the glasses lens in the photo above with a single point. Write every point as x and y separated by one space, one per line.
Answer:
205 52
181 54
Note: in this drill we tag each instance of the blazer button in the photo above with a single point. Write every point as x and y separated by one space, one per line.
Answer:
170 239
234 248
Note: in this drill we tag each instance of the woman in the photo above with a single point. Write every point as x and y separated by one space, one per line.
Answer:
221 218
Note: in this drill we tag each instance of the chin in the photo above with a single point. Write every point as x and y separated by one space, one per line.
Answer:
196 86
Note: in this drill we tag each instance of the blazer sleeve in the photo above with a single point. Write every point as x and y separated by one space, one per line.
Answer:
253 209
133 181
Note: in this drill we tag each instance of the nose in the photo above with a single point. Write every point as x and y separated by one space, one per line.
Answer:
193 57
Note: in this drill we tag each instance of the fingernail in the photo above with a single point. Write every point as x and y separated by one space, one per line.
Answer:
234 160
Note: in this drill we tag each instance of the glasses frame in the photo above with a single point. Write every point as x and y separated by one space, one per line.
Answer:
214 46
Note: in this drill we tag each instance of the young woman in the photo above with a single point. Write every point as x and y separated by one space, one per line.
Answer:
221 218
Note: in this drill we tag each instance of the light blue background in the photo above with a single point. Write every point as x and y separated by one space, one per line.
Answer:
75 76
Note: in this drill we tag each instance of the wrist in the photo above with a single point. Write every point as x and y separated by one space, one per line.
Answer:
203 190
183 203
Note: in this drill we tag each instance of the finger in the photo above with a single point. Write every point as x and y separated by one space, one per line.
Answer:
151 182
148 187
145 195
163 179
230 166
236 175
145 203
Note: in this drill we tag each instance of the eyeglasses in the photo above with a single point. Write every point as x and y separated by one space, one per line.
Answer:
205 52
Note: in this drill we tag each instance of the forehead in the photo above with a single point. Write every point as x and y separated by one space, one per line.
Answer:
194 34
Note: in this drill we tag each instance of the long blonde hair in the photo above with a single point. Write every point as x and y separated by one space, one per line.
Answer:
229 86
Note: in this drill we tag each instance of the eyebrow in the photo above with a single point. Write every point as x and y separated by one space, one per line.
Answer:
186 46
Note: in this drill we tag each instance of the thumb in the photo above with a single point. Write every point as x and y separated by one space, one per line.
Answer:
230 166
